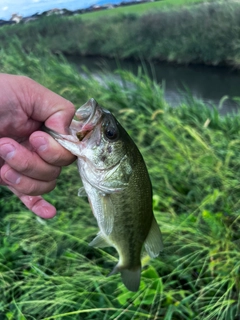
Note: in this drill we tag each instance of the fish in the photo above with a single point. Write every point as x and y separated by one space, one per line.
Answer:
116 181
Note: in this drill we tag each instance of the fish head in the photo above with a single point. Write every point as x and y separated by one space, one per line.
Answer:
100 134
96 137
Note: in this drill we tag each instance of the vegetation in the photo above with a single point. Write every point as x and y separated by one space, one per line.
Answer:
202 33
142 8
47 269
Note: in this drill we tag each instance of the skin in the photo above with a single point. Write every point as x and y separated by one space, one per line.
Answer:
31 160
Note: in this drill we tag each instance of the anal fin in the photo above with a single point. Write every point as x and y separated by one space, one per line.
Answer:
153 243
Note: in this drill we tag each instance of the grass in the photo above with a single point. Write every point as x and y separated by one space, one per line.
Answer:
47 269
140 9
203 33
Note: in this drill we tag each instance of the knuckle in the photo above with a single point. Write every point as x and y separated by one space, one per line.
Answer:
60 157
1 162
25 165
56 172
70 106
1 179
39 188
50 186
52 173
32 189
56 158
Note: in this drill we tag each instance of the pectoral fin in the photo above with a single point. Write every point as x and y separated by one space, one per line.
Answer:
82 192
104 211
154 244
106 221
99 241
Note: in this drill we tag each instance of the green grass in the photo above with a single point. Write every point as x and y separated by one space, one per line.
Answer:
203 33
140 9
47 269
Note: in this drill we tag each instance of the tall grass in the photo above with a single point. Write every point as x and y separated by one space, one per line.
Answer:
142 8
202 33
47 269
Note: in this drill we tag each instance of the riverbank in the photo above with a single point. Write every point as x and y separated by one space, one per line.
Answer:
192 154
213 86
205 33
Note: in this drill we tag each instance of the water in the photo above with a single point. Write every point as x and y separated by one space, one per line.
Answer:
209 84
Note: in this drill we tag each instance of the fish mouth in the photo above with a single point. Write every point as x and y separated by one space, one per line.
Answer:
86 112
88 116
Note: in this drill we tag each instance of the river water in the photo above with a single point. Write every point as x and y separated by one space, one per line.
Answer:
209 84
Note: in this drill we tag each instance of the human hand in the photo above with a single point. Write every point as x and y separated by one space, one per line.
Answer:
31 160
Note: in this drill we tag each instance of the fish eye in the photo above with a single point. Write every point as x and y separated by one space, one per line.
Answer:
111 133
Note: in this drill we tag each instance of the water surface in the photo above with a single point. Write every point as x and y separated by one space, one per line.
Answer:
209 84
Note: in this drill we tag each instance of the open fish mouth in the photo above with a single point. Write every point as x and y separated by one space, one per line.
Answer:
88 115
87 111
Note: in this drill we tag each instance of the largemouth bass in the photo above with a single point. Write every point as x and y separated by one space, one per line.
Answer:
116 181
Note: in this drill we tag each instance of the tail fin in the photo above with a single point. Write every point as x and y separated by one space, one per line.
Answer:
130 278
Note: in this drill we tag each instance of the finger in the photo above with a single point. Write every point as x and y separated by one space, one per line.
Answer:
24 184
49 107
36 204
27 162
50 150
37 102
1 162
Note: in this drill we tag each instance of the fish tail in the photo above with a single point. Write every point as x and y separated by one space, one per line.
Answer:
130 277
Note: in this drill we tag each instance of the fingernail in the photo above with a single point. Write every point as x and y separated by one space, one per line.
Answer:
12 176
40 143
7 151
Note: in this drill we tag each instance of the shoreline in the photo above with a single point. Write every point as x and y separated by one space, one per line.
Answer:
223 65
199 34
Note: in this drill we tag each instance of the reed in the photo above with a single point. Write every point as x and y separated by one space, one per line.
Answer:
206 33
47 269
